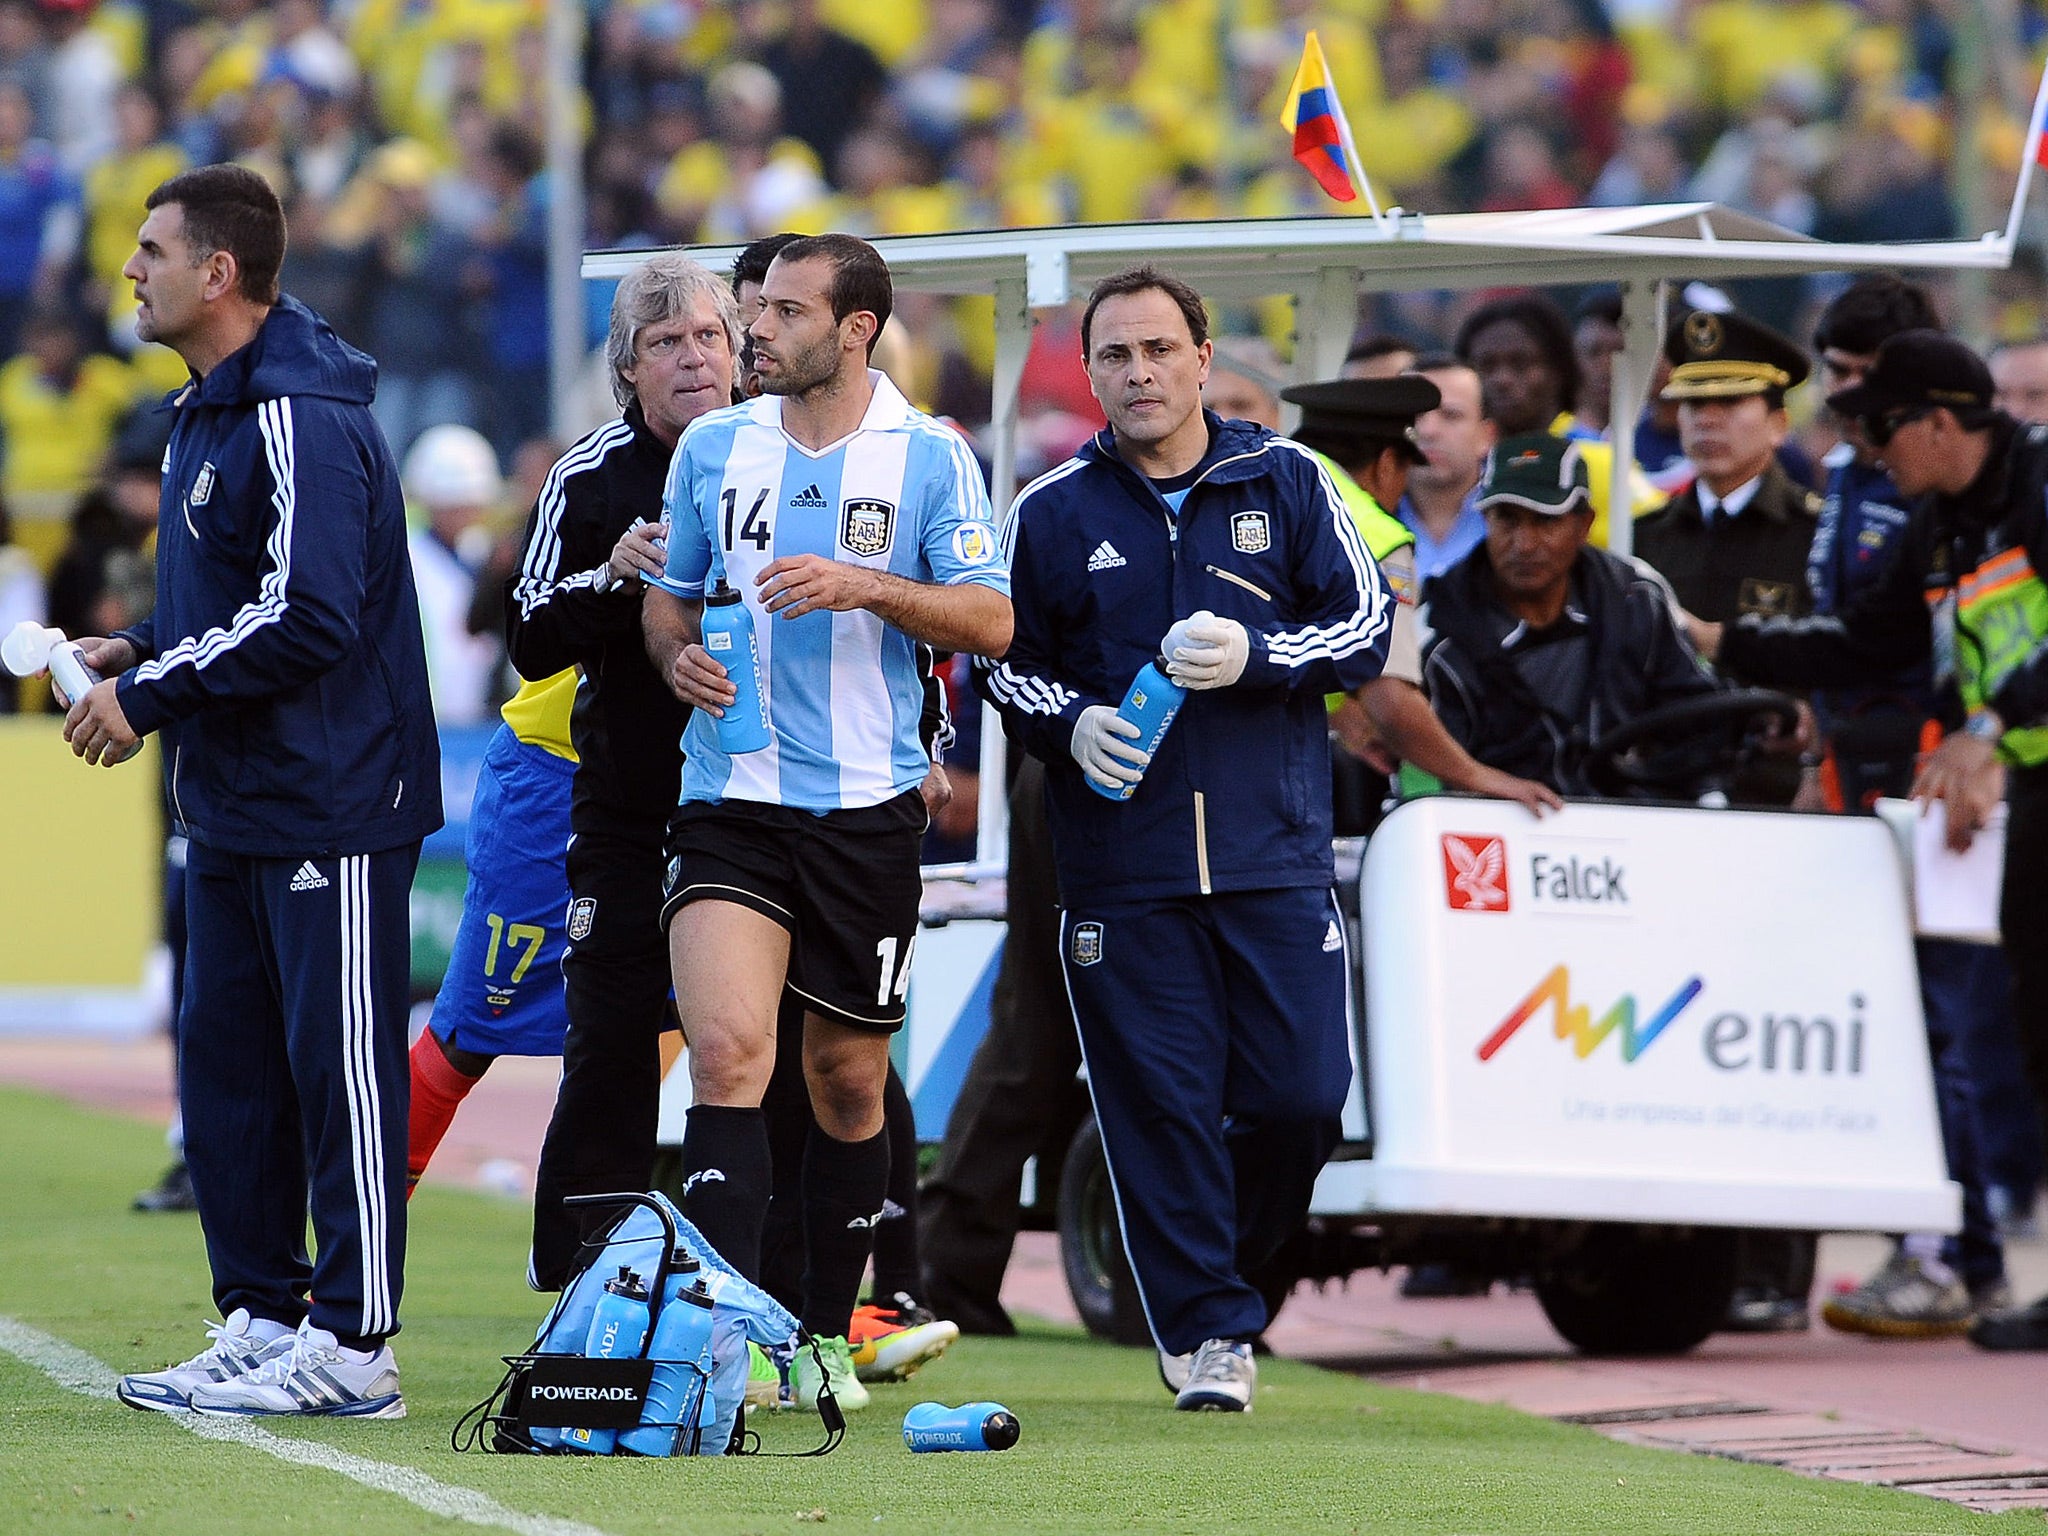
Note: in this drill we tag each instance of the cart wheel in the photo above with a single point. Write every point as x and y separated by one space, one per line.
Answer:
1641 1290
1092 1244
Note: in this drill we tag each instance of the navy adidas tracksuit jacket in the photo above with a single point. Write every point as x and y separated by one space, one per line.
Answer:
284 672
1204 952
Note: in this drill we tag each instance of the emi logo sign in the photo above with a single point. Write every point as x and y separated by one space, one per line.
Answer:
1475 872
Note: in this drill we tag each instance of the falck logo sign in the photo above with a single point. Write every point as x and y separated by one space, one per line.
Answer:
1475 872
1575 1022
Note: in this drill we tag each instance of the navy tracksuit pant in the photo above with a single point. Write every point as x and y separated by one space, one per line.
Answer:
1213 1032
293 1079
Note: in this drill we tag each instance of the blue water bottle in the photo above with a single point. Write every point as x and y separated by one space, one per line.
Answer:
617 1330
970 1427
1150 704
681 1352
729 637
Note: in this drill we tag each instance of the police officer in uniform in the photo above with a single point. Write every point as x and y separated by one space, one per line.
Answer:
1966 589
1734 541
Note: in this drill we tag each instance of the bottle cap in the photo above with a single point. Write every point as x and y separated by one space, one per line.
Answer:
627 1284
721 595
26 650
1000 1430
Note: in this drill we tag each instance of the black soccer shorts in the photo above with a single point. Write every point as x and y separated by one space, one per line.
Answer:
844 884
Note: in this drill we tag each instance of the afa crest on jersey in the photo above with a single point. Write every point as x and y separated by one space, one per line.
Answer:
1087 943
1251 533
866 526
202 486
582 912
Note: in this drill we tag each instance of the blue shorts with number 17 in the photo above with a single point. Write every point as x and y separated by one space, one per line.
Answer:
502 995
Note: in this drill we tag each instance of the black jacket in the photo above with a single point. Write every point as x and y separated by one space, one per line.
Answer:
283 666
563 611
1637 660
1754 562
2000 514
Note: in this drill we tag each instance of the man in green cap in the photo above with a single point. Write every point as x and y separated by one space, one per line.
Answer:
1538 643
1364 431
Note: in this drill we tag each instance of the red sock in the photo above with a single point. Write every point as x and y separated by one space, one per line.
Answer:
437 1090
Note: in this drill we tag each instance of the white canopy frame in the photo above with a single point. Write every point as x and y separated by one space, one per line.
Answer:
1325 264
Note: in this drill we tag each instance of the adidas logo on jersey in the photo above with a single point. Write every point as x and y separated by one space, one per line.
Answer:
1333 938
809 497
1105 557
309 879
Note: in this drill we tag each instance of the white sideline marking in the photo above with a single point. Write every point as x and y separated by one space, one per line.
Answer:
76 1371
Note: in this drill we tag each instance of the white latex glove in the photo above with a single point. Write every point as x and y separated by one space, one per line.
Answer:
1102 746
1204 651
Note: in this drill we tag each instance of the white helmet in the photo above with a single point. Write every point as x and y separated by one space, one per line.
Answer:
452 466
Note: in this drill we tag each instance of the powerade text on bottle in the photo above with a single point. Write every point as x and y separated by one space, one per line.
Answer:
970 1427
1152 702
617 1330
681 1352
729 637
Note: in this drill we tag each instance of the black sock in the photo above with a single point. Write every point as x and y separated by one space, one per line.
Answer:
896 1254
845 1183
725 1181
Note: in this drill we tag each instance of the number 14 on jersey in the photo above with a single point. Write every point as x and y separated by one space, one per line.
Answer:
757 529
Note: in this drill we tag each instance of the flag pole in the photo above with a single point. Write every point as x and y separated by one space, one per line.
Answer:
2030 159
1351 154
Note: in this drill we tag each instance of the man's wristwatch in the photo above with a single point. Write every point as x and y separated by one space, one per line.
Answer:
1985 725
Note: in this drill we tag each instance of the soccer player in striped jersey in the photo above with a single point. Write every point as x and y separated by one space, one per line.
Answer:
854 526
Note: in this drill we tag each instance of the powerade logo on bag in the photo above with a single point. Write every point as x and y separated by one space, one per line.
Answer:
573 1392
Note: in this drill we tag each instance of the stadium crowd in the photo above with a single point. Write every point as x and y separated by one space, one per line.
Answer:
404 138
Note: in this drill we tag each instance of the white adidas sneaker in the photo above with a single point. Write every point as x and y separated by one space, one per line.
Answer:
1221 1379
240 1344
315 1376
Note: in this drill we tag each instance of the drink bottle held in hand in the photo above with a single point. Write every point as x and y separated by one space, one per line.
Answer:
681 1352
729 637
970 1427
30 647
1150 704
617 1330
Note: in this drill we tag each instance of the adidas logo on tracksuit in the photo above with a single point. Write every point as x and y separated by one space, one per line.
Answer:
810 497
1105 557
309 879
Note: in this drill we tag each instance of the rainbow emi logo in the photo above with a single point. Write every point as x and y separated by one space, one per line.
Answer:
1575 1022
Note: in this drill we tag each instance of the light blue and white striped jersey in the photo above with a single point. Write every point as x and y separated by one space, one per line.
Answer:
902 494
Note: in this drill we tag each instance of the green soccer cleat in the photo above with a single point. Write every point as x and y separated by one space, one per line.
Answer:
806 1381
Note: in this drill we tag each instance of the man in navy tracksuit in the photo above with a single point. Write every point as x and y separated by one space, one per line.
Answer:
1203 948
285 673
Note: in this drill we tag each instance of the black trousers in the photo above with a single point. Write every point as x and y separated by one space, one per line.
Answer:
2023 917
601 1137
1020 1097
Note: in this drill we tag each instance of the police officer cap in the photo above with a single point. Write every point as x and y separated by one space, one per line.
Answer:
1917 369
1371 408
1725 356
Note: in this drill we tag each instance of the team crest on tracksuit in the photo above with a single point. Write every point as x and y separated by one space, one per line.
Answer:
1251 533
866 526
202 486
582 912
1086 945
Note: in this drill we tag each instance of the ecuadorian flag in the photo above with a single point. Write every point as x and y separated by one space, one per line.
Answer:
1322 138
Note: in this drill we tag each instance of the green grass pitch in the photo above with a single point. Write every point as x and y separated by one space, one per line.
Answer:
1101 1451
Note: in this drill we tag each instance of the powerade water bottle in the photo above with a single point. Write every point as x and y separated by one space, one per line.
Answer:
1150 704
970 1427
729 637
617 1330
681 1352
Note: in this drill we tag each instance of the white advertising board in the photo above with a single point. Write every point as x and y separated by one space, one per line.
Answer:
1646 1014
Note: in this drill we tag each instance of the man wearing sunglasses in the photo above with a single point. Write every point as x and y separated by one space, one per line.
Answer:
1965 591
